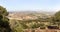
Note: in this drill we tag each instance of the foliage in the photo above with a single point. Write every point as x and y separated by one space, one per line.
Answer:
24 25
57 17
18 28
4 25
37 25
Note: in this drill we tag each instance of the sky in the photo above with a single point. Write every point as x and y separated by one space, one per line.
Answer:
18 5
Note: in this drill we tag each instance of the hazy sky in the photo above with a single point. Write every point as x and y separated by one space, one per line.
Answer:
31 4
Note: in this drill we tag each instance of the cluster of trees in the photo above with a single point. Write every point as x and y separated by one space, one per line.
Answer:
4 24
56 18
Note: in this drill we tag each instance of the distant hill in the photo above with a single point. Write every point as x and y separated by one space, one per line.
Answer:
29 14
43 12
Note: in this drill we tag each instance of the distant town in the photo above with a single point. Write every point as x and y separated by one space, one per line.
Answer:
28 15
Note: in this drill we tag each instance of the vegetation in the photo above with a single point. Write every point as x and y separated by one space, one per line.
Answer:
4 25
32 24
57 18
20 25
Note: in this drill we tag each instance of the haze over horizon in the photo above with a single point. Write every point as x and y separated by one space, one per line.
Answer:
31 5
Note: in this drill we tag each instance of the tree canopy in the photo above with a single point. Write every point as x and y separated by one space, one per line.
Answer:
57 15
4 25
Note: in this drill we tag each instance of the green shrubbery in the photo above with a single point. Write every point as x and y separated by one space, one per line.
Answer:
4 24
20 25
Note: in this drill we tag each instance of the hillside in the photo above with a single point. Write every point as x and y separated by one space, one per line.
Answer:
28 15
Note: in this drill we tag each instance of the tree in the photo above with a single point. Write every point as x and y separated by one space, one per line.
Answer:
57 17
4 25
